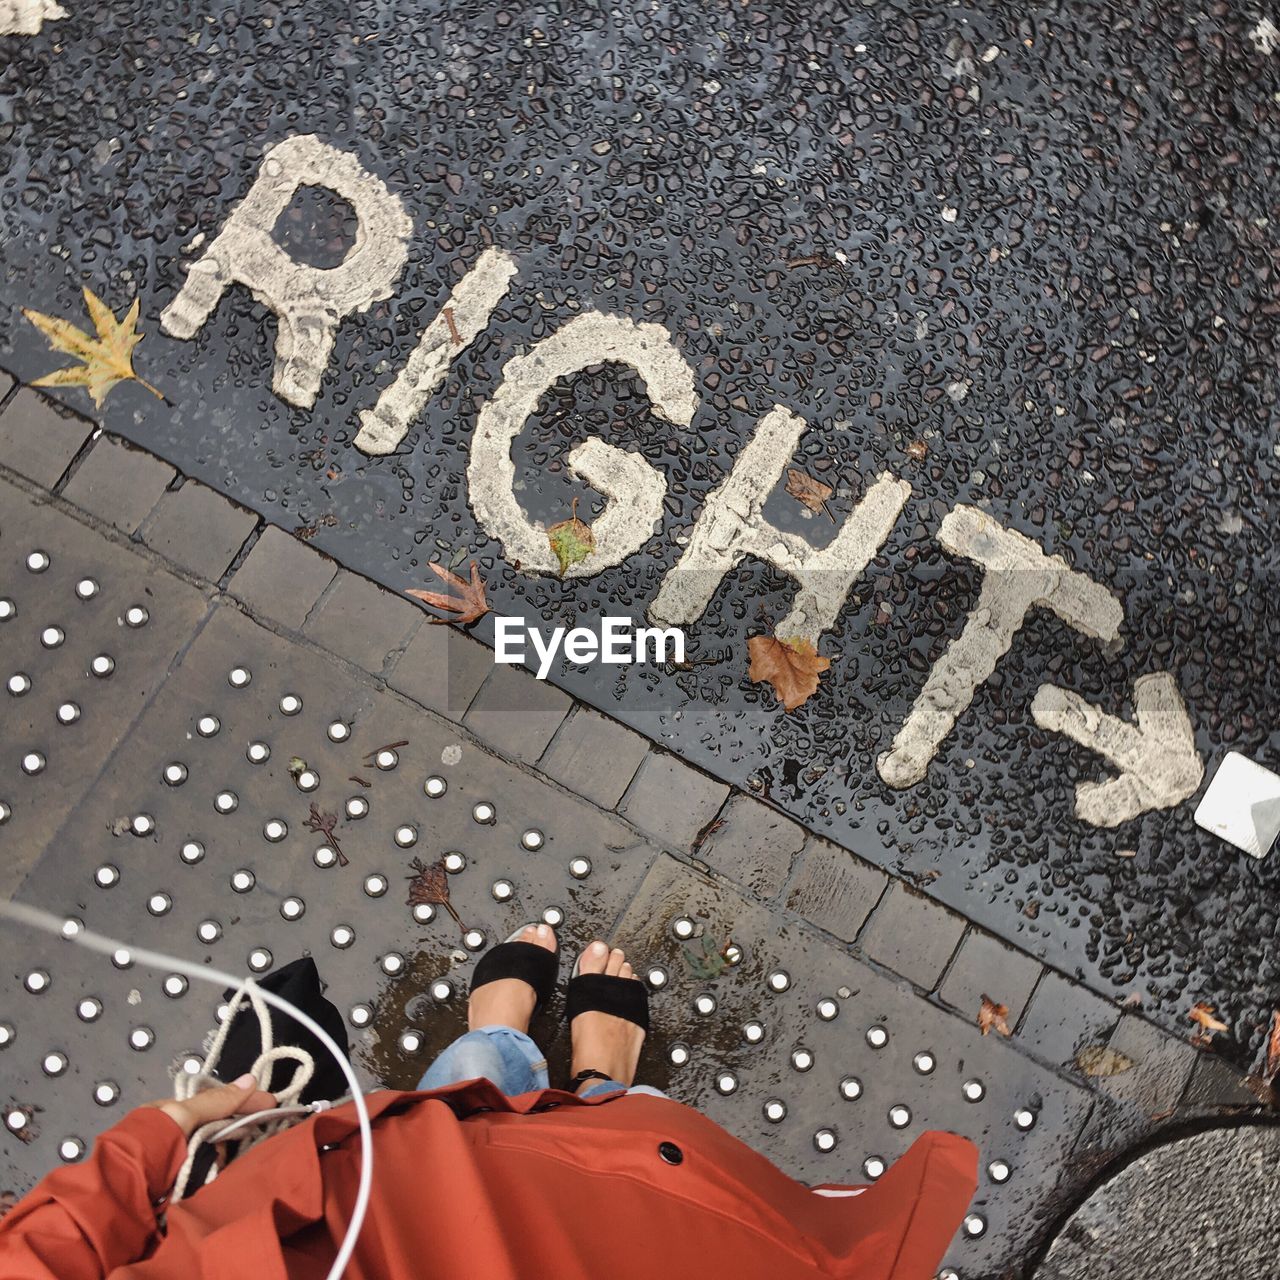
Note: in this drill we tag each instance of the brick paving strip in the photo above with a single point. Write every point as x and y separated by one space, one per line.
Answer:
844 1026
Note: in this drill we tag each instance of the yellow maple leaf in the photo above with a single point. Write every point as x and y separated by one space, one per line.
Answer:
105 360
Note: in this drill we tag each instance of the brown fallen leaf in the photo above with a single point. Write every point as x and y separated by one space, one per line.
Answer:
809 492
571 540
469 608
1098 1060
104 360
430 884
1202 1015
993 1015
1271 1064
792 667
918 450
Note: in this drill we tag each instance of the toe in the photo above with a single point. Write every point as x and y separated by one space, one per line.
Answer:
616 960
594 958
627 971
546 937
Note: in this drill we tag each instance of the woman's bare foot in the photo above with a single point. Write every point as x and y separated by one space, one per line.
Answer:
509 1002
601 1041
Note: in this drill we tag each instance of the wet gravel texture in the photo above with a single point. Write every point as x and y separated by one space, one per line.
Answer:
1036 242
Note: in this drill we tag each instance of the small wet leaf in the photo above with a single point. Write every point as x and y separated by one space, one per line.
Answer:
470 607
571 540
297 765
992 1016
810 492
1098 1060
792 667
104 360
1271 1065
1202 1015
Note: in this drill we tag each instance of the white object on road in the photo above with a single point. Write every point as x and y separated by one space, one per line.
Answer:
26 17
1242 805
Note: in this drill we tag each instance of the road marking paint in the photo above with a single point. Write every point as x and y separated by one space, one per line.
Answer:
634 487
26 17
458 323
309 302
1155 754
1019 576
732 526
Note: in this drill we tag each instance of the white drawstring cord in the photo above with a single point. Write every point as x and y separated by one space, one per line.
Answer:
188 1084
60 926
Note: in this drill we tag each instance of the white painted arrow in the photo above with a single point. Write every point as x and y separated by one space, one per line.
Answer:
1157 760
25 17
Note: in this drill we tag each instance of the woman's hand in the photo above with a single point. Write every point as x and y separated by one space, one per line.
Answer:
239 1098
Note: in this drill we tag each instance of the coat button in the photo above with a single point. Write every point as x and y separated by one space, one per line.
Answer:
670 1152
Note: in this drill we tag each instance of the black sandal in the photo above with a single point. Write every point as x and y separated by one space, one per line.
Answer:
526 961
626 998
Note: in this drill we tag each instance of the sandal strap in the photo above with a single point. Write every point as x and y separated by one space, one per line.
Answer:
523 960
625 998
590 1073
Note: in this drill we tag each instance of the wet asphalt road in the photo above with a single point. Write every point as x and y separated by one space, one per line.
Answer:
1023 258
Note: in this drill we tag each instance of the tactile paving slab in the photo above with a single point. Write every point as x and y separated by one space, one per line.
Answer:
88 632
196 842
832 1070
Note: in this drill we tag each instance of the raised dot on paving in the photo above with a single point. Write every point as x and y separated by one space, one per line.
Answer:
191 852
325 856
974 1225
208 725
52 637
68 713
533 839
122 958
411 1042
290 704
7 609
307 780
442 989
357 807
106 876
70 1150
36 981
361 1015
484 813
705 1004
873 1167
825 1140
924 1062
293 908
89 1009
208 931
775 1110
1024 1118
682 927
726 1083
375 885
175 986
753 1031
19 683
877 1037
239 677
338 731
192 1066
136 616
17 1119
257 753
243 880
175 774
454 862
973 1090
424 912
392 963
141 1038
678 1054
779 980
827 1008
142 824
38 561
553 916
274 830
999 1171
406 836
579 868
259 960
473 939
387 758
105 1092
159 904
899 1116
103 665
33 762
850 1088
502 890
54 1064
657 976
87 588
801 1058
226 802
435 787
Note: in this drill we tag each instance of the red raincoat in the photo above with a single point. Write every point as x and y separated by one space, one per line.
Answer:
471 1184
